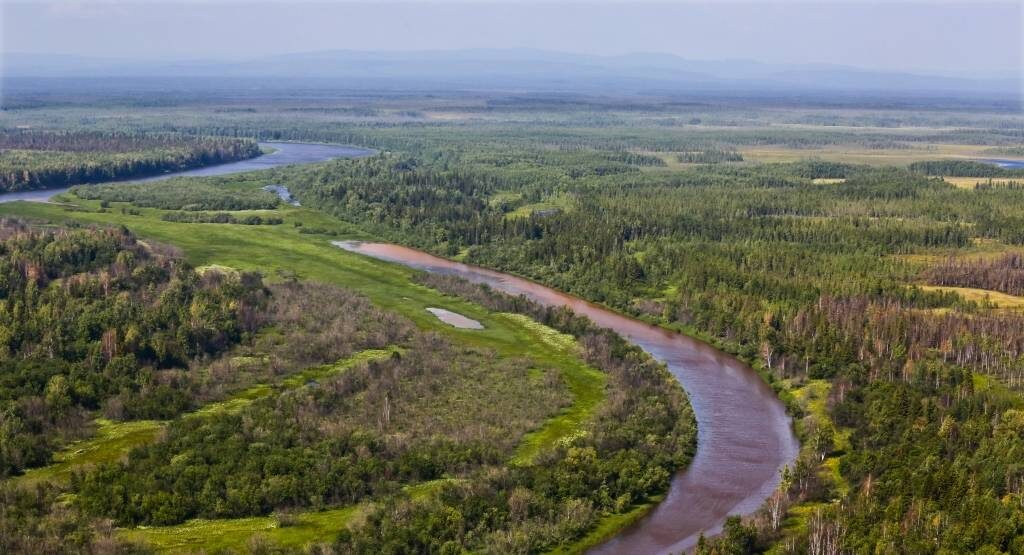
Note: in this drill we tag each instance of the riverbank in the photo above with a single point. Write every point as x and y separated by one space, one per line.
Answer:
745 437
277 154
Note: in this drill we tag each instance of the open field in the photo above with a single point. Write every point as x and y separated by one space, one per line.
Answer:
903 155
971 182
293 530
111 441
995 299
239 534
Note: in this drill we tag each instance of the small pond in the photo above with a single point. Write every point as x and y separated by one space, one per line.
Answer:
455 319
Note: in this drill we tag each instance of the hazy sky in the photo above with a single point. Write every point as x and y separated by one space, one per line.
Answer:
974 38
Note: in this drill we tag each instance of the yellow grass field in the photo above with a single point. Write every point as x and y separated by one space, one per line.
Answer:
828 180
996 298
873 157
970 182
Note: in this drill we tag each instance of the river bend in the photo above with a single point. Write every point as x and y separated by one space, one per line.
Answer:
744 436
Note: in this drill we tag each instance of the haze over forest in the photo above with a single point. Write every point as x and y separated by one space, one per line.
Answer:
742 47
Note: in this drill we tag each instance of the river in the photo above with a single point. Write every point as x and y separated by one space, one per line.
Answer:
284 154
1005 164
744 436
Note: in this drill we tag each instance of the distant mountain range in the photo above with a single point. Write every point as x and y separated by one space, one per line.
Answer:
525 70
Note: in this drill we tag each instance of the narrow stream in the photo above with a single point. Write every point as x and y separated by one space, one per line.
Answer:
745 437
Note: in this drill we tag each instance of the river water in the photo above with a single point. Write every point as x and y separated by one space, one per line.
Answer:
744 437
285 154
1005 164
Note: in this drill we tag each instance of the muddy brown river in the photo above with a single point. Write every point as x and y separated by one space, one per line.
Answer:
744 436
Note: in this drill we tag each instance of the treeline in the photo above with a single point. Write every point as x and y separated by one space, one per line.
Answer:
1004 273
185 194
709 156
98 141
963 168
44 160
219 218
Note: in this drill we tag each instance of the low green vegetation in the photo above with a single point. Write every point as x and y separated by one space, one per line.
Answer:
242 534
111 441
586 384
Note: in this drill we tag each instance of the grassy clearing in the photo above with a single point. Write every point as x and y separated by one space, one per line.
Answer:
563 342
855 154
559 202
795 523
671 160
321 372
505 197
248 396
282 252
236 534
995 388
813 397
970 182
217 268
995 299
114 440
828 180
979 250
586 384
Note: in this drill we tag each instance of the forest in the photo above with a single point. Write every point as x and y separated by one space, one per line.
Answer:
43 160
834 249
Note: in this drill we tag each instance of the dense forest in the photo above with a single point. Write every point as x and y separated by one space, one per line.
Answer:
44 160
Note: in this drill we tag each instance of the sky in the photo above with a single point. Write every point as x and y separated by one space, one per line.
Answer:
976 39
